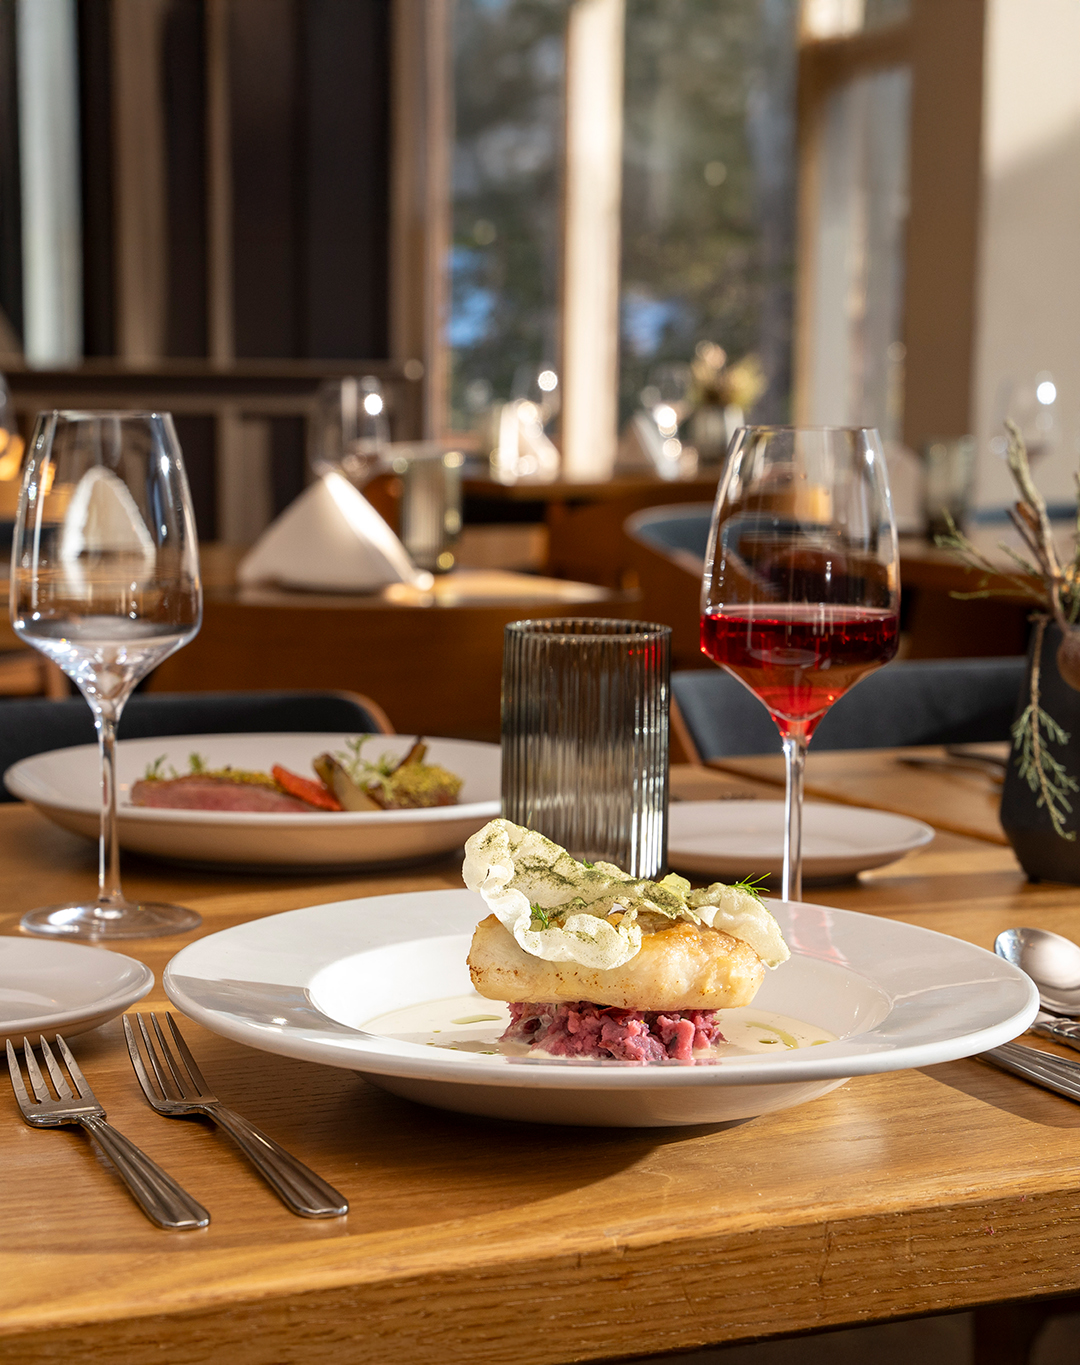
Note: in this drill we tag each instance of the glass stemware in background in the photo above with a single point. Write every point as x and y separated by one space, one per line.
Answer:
666 403
105 582
801 588
352 431
519 444
538 385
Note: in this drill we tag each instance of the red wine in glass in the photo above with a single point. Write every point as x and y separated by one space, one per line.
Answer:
801 589
798 660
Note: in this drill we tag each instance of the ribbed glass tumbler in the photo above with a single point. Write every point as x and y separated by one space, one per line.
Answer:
585 737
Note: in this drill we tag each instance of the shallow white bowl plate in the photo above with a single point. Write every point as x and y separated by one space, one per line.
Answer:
64 785
67 988
740 838
305 984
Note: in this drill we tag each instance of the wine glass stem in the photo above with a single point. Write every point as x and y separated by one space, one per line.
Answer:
795 743
106 718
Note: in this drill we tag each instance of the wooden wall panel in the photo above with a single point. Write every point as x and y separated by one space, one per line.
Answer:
184 99
345 196
265 111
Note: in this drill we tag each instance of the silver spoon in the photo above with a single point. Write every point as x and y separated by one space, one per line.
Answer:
1053 963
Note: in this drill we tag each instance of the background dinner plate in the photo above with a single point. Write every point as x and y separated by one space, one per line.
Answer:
305 983
733 839
64 785
66 988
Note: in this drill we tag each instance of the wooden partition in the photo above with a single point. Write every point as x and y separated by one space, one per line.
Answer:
246 429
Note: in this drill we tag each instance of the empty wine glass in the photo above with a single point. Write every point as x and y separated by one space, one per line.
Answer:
105 582
801 588
353 431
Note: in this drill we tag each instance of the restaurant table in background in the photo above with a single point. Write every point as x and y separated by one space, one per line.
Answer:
476 1242
941 625
584 520
962 801
591 543
432 660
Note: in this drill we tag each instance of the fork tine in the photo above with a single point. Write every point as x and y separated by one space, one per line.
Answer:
17 1084
141 1073
59 1080
37 1080
179 1084
189 1061
152 1057
82 1085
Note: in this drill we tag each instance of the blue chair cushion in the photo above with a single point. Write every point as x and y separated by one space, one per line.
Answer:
919 701
684 528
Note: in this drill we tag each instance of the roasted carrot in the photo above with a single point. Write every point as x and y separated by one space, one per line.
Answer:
314 793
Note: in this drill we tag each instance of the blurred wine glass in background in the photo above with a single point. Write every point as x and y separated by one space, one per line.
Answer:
12 449
667 404
520 445
538 385
352 433
1032 403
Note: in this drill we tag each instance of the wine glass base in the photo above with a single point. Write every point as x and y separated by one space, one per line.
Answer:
98 922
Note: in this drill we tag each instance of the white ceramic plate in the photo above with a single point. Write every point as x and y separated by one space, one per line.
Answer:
746 838
64 785
66 988
306 983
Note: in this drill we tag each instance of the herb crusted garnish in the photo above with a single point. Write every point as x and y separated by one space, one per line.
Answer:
563 910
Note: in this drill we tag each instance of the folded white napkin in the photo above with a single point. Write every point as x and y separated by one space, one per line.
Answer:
330 538
103 519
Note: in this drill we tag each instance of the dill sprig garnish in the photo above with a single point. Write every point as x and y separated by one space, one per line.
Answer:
750 885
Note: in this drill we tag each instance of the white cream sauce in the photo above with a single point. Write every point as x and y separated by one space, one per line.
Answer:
469 1023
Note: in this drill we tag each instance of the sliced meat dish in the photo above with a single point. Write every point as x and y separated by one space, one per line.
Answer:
199 792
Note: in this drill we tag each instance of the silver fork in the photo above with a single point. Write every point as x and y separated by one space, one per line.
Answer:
180 1091
159 1196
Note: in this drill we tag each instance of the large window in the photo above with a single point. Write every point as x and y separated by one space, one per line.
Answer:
704 149
855 257
708 188
504 257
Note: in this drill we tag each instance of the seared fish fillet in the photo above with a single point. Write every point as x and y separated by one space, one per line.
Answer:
684 967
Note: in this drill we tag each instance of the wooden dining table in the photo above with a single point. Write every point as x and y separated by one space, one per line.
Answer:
478 1242
267 637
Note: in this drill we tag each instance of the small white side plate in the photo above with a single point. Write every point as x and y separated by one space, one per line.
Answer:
65 786
729 839
66 988
305 984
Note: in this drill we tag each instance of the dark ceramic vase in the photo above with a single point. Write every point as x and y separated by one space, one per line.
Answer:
1043 853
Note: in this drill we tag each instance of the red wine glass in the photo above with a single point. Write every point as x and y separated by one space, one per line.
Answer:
801 591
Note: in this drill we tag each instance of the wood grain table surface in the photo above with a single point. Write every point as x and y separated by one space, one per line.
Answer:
474 1242
960 799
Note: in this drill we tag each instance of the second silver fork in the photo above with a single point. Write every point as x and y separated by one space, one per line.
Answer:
178 1090
159 1196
